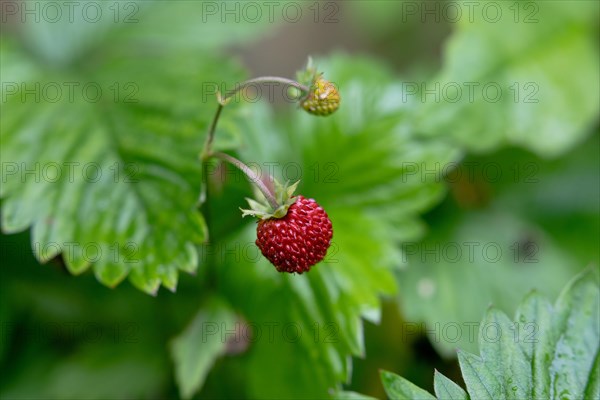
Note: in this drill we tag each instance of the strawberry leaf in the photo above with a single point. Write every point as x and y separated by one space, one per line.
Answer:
398 388
446 389
560 358
108 177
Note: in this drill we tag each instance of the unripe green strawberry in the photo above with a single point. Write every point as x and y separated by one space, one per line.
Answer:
297 241
323 98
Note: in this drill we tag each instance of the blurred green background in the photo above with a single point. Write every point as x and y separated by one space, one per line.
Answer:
461 170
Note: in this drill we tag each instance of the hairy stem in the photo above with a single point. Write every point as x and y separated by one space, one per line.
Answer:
207 151
211 133
253 176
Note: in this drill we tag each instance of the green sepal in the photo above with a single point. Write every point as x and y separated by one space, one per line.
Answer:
263 210
257 209
308 76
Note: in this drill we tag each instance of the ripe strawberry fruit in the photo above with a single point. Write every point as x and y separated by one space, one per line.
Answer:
293 232
297 241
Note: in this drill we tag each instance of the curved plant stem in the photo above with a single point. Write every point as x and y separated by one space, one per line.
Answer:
253 176
207 149
266 79
223 99
211 132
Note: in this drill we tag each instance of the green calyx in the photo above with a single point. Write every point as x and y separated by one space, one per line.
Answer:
309 75
263 210
323 97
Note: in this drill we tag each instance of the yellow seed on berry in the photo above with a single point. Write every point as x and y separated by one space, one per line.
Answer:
323 98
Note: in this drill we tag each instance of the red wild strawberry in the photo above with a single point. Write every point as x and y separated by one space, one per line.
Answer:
297 241
293 232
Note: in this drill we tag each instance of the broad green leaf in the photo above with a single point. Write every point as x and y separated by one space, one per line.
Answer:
398 388
558 359
446 389
195 350
109 176
528 75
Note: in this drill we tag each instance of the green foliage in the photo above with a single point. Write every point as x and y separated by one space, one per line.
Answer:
195 349
352 396
67 337
85 375
547 352
530 245
399 388
504 79
127 179
468 256
326 305
158 209
133 188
